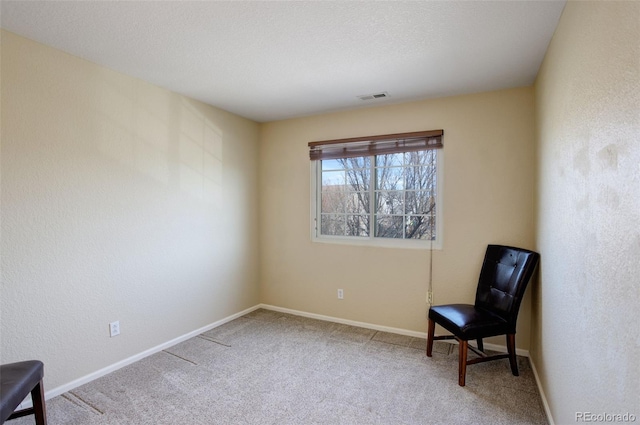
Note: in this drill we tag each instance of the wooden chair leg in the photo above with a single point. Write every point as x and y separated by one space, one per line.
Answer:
430 333
480 345
511 348
462 362
39 408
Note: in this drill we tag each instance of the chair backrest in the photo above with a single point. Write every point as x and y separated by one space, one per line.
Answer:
505 273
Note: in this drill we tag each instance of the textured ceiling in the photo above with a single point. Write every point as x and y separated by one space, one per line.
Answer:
274 60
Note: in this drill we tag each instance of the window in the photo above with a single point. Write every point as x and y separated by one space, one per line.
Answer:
379 190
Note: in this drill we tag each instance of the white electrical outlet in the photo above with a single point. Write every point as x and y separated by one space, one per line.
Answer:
114 328
340 294
429 297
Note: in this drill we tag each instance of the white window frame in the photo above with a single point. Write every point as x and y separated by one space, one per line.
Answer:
314 190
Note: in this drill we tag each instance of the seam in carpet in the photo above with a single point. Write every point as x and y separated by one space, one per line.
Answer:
181 358
80 402
213 340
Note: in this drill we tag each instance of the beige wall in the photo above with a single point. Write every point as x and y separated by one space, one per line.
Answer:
586 332
488 198
120 201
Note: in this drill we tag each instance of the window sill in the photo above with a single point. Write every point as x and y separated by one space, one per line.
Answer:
379 242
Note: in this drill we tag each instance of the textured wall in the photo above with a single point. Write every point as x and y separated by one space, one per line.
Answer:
488 198
586 333
120 201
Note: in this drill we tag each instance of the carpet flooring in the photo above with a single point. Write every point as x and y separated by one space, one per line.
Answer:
274 368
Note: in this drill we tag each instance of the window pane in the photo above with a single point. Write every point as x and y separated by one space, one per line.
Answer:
358 179
420 157
334 179
419 227
331 164
389 227
390 202
357 202
391 160
333 201
418 202
332 224
420 177
357 225
390 178
358 162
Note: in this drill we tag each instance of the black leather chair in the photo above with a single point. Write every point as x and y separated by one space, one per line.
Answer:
17 380
505 273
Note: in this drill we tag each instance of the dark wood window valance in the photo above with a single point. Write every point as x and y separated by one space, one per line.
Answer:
376 145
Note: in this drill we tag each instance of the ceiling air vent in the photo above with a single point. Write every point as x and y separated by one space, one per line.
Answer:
381 95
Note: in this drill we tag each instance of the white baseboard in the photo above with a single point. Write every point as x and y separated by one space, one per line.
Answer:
543 396
344 321
122 363
493 347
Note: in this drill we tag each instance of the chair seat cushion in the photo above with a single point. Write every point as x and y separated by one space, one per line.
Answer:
468 322
16 382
